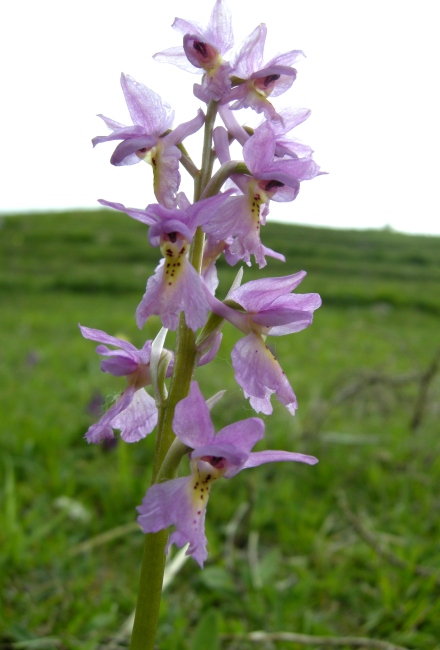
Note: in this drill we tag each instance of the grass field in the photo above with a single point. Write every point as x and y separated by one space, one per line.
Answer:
348 547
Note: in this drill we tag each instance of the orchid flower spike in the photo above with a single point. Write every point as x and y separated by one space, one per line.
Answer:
151 138
265 307
182 502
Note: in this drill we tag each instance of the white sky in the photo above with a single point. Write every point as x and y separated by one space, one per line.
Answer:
371 78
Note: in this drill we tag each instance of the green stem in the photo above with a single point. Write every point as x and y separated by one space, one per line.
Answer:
226 171
150 591
207 159
172 460
153 561
187 162
167 458
153 565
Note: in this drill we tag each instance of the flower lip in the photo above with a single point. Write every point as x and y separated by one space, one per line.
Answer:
266 83
272 73
200 53
220 454
119 364
268 186
129 147
216 461
201 48
169 231
270 78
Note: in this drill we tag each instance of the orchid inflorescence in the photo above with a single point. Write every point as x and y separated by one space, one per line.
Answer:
225 218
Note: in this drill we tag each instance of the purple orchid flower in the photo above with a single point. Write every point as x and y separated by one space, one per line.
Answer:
134 412
203 48
182 502
289 146
176 285
277 179
258 80
148 139
284 146
269 309
212 251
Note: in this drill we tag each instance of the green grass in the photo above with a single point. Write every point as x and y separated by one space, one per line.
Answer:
356 373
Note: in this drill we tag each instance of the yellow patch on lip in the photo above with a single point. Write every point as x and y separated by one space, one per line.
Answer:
175 259
257 197
269 354
203 475
261 348
212 69
150 157
253 88
265 85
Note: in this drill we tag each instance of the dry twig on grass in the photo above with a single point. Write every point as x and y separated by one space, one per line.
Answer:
422 398
307 639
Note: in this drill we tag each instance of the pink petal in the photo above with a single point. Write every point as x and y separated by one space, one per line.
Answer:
227 220
259 150
167 297
186 129
103 337
166 174
221 144
233 456
212 352
240 320
243 434
146 107
138 419
126 151
260 457
291 117
188 27
134 213
259 374
269 318
112 124
233 126
177 57
257 295
171 503
219 29
286 193
192 422
119 133
250 55
288 58
102 430
119 364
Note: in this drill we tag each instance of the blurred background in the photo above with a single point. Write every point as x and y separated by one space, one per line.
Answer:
348 547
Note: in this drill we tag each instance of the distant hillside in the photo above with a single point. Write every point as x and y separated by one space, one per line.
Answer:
103 251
